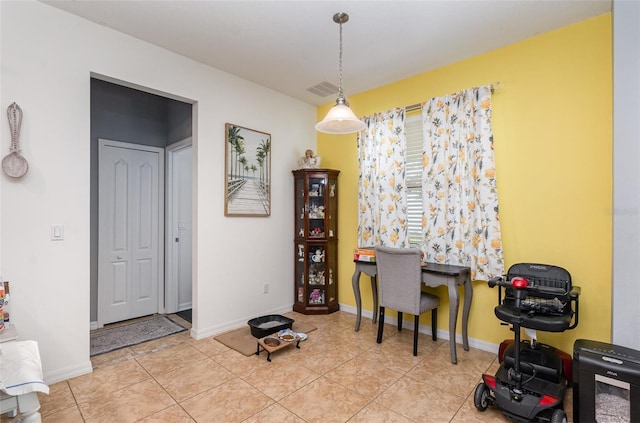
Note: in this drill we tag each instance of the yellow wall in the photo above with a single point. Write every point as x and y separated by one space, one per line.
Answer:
552 121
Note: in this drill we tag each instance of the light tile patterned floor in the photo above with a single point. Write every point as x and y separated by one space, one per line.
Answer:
338 375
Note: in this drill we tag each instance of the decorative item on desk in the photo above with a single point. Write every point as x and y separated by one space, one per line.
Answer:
364 254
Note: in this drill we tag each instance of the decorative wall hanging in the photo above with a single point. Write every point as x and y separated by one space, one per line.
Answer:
247 172
13 163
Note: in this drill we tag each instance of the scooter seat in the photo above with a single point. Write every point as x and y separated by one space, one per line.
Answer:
532 320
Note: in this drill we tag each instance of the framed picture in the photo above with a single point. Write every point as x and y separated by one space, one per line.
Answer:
247 172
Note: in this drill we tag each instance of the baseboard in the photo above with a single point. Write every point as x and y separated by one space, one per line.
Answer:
68 373
93 325
442 334
202 333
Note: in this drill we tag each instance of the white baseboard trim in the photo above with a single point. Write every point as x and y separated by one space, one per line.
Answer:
93 325
442 334
68 372
202 333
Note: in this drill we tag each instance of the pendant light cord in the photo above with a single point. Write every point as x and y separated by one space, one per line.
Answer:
340 91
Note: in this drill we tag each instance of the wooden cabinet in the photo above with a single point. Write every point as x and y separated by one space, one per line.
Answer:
316 241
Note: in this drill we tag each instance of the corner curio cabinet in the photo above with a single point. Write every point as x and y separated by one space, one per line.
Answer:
316 241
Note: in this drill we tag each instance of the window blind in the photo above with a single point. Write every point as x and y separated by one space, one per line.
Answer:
413 175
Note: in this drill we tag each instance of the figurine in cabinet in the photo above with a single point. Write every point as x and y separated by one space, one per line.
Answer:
318 256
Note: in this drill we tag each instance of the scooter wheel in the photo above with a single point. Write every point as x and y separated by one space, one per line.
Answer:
558 416
481 397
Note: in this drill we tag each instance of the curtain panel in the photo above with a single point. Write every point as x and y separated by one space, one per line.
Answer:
460 199
382 197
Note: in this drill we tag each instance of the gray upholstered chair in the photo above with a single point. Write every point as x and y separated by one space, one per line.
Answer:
399 278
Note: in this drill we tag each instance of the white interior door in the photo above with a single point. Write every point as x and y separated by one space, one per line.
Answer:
181 234
130 258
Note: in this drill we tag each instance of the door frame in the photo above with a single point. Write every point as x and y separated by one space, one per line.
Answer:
171 285
102 142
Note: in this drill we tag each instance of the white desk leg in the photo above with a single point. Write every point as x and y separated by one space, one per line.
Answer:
28 405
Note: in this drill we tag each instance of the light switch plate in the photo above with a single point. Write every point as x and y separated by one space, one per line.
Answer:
57 232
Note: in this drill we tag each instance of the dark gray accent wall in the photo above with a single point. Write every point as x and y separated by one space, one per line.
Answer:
124 114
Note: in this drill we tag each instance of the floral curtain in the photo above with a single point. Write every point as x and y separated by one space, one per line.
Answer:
460 200
382 200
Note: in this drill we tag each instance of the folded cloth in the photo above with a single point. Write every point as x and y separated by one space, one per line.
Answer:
21 368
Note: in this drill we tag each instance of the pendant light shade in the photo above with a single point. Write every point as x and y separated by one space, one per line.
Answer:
340 119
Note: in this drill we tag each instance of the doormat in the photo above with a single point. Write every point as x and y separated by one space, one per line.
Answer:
242 341
186 315
111 339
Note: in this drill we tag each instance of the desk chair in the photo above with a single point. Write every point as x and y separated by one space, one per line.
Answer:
399 277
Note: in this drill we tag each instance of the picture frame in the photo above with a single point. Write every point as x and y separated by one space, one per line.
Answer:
247 170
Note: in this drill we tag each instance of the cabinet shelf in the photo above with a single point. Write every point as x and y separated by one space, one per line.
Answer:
316 241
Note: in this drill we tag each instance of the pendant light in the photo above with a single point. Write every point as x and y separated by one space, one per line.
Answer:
340 119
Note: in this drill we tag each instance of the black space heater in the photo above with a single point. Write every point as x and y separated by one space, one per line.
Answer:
606 382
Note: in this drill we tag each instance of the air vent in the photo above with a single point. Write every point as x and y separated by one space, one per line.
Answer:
323 89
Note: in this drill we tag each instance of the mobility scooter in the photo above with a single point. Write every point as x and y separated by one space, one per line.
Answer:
533 377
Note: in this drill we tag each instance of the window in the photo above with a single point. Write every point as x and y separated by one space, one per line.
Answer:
413 169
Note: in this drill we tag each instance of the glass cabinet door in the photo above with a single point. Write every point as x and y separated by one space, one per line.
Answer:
332 212
299 273
316 207
300 208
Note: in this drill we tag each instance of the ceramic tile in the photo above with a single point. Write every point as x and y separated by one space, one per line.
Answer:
102 381
173 414
376 413
280 378
126 405
111 358
193 379
421 401
161 343
364 375
64 415
233 401
170 358
322 358
208 346
324 401
274 413
238 364
59 398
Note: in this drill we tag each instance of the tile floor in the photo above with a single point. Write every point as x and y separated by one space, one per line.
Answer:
338 375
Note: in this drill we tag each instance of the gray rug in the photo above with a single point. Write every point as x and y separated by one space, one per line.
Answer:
111 339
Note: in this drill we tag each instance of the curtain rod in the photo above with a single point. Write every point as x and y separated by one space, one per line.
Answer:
417 106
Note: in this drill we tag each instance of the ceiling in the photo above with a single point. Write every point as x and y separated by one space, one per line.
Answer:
290 46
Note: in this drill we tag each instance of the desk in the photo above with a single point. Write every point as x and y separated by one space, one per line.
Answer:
433 275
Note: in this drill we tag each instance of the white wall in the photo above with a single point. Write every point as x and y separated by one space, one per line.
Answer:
626 173
47 57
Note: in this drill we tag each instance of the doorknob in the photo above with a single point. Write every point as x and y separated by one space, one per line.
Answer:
119 257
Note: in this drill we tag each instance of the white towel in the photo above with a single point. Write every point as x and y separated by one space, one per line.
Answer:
21 368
